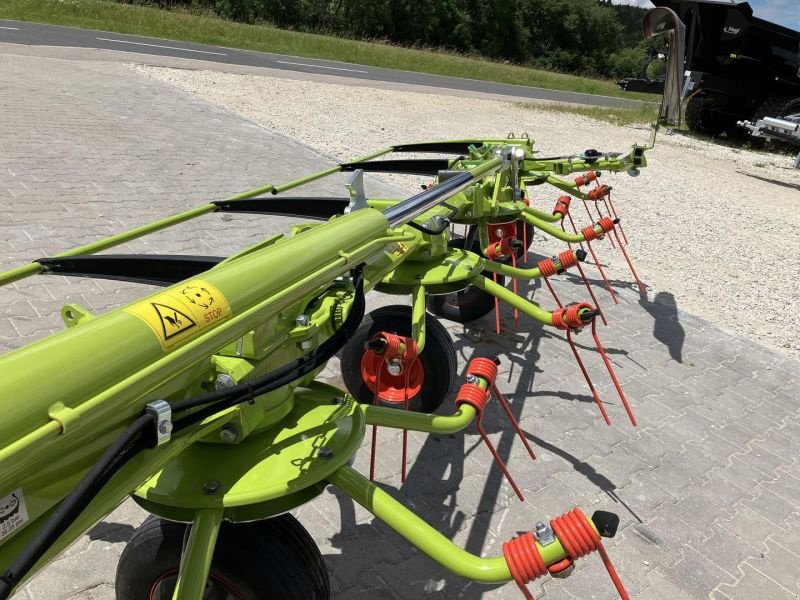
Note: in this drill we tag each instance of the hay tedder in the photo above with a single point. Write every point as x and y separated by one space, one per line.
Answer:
200 400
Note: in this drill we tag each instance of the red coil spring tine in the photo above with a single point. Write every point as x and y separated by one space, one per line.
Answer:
616 216
525 243
602 273
642 289
591 293
524 561
375 399
514 422
578 538
588 212
476 397
552 291
514 281
587 378
496 308
574 229
497 459
405 431
613 375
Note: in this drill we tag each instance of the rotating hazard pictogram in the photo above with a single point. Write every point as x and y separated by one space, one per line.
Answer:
173 321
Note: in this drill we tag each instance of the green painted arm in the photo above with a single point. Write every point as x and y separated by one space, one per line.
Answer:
417 421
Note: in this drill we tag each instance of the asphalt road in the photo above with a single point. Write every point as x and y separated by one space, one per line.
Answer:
36 34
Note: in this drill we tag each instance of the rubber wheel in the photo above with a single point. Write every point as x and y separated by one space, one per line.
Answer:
778 106
437 360
275 559
468 304
701 119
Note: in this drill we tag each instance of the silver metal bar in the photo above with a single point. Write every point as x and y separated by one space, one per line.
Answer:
409 209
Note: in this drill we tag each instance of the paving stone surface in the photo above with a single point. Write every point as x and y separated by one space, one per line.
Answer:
707 486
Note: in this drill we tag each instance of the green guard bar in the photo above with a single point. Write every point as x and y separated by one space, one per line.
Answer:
425 537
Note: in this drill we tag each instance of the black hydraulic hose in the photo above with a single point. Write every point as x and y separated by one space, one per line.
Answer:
125 447
134 439
215 402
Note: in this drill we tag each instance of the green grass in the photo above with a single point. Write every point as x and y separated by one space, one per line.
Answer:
644 115
179 25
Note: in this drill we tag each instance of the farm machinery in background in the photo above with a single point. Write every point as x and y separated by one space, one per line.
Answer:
737 67
200 400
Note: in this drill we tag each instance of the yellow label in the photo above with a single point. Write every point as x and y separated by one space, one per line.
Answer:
400 249
183 312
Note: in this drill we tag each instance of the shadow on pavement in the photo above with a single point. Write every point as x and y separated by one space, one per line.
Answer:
667 328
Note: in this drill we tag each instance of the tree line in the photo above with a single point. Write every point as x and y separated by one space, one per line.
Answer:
579 36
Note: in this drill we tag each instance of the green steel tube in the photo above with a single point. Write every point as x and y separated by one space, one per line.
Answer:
417 531
34 268
197 555
567 186
252 193
540 214
570 238
498 291
307 179
515 272
417 421
418 316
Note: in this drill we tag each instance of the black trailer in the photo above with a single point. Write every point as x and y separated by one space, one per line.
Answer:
739 67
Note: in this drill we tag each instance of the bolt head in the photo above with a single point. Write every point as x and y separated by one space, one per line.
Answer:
211 487
229 435
426 254
499 232
306 345
395 367
472 378
302 321
165 427
325 453
224 381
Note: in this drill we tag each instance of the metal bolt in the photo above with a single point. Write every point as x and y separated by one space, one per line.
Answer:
211 487
500 232
306 345
419 276
544 533
395 367
426 254
633 172
473 379
338 400
229 434
224 381
325 453
165 427
302 321
468 213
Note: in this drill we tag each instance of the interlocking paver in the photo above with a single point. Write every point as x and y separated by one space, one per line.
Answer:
704 487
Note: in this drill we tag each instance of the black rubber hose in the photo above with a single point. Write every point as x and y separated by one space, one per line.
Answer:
280 377
125 447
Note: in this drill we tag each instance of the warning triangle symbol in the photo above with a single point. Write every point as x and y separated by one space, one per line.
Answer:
172 320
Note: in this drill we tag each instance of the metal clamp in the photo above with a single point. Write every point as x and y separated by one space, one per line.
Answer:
162 411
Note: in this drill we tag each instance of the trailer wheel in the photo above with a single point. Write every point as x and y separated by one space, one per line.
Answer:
778 106
701 119
469 304
275 559
431 376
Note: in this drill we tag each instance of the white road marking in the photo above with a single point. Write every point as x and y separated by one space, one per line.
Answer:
11 28
165 47
286 62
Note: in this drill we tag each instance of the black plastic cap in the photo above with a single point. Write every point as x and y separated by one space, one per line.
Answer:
606 523
581 254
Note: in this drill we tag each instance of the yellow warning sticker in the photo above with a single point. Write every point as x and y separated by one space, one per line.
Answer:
182 312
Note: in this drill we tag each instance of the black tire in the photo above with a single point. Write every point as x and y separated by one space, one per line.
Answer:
469 304
778 106
700 118
275 558
438 358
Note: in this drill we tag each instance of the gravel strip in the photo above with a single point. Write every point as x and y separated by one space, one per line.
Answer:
711 225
